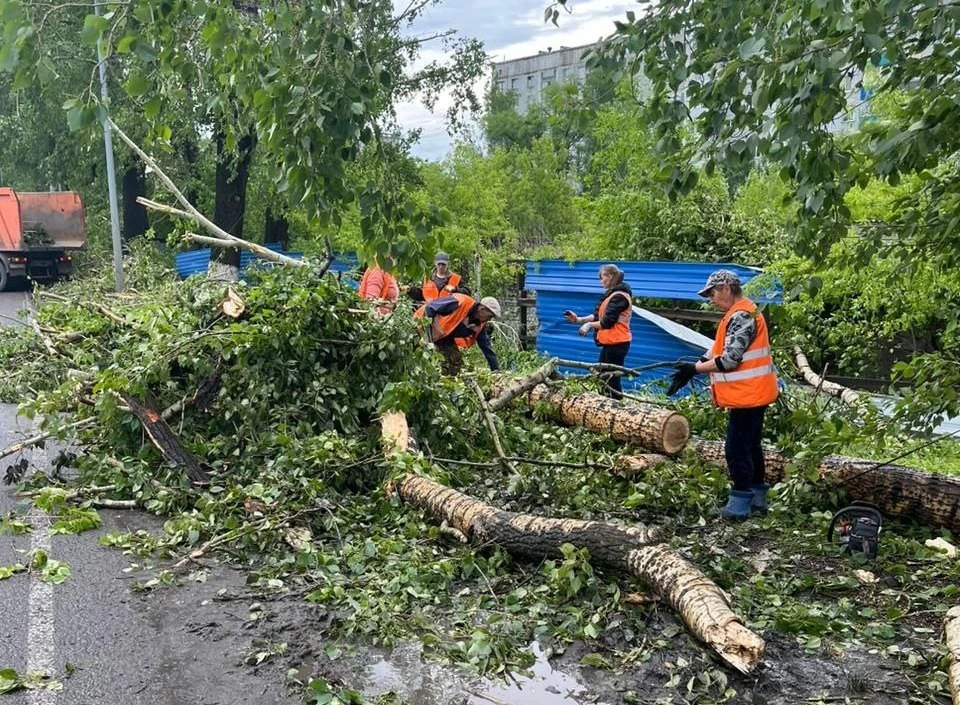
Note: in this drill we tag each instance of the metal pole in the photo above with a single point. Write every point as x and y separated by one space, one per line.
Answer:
111 174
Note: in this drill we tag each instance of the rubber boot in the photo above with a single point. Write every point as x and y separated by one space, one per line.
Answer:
759 503
738 505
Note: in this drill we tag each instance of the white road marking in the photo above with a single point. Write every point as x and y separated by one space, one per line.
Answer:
41 643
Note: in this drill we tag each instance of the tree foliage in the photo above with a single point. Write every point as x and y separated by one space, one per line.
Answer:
752 79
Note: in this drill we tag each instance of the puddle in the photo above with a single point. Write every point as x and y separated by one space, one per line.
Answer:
404 672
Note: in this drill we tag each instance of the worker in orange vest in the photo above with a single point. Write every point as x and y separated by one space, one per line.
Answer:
742 380
610 325
379 285
442 281
458 322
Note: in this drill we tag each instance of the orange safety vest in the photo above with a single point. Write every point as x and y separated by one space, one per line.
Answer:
430 290
444 325
620 333
753 383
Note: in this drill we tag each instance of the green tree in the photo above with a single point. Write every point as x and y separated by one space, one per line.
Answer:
318 82
754 79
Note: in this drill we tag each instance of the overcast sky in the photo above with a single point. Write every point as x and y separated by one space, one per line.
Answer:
509 29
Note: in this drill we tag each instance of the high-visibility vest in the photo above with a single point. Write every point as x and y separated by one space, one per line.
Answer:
444 325
620 332
753 383
431 292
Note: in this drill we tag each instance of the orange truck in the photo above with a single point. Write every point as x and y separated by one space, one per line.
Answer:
38 234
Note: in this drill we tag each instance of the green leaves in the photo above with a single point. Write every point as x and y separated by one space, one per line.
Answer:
752 47
93 28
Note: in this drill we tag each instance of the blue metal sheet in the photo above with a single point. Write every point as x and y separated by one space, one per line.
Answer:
557 338
562 285
659 280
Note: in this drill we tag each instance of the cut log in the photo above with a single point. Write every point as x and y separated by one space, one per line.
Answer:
848 396
517 388
166 441
633 550
633 465
900 492
951 637
647 425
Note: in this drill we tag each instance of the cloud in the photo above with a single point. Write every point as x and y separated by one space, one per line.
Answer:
509 29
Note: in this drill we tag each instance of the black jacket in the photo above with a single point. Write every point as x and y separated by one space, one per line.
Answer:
617 306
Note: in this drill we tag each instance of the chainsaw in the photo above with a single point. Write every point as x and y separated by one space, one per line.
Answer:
858 529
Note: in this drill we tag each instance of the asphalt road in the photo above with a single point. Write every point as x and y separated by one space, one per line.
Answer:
173 646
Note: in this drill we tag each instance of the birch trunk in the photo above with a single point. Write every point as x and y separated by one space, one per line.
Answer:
900 492
646 425
634 550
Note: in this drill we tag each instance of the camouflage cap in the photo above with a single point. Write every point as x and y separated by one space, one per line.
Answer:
719 278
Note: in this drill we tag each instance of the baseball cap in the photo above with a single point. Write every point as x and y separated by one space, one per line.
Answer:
492 304
441 258
718 278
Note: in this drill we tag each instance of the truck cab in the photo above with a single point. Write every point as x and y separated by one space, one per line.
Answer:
39 232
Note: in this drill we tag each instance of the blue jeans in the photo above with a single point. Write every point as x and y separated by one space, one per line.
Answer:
743 447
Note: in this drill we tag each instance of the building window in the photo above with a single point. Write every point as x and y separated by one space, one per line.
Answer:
547 77
514 84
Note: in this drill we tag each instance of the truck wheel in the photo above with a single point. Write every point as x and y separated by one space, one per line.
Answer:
4 278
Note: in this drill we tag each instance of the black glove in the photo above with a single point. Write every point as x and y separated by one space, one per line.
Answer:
685 372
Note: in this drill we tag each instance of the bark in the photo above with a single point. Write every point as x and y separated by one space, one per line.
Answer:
646 425
951 637
230 199
848 396
633 465
276 228
134 185
166 441
517 388
634 550
900 492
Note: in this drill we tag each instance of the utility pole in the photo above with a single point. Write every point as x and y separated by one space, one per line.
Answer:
111 173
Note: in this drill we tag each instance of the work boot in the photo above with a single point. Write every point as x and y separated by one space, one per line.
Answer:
759 503
738 505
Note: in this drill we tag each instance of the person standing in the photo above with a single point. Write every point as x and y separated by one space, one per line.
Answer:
379 285
743 381
610 325
458 322
442 281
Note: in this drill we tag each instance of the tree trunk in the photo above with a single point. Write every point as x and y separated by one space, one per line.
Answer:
951 637
646 425
230 201
633 465
276 228
849 397
134 184
899 492
696 598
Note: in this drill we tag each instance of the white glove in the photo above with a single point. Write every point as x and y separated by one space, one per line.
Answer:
585 329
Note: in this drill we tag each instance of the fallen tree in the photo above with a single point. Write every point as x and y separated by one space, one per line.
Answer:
646 425
633 465
900 492
848 396
701 604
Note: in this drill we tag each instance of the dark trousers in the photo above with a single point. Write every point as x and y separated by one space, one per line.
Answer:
613 355
452 356
743 447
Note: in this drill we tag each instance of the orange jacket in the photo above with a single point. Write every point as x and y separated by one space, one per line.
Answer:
444 324
431 292
620 333
753 383
377 284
